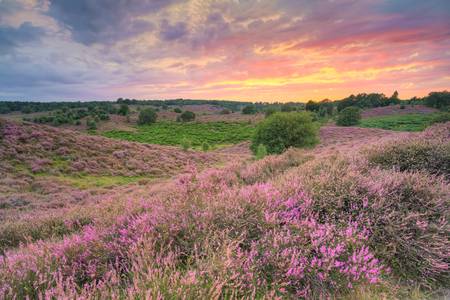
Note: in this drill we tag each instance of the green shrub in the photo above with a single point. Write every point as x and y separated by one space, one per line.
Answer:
91 125
123 110
402 106
283 130
349 116
261 151
185 144
270 111
177 110
147 116
205 146
249 110
186 116
441 118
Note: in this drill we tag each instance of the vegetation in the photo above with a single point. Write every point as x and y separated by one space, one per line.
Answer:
177 110
439 100
249 110
349 116
285 226
408 122
186 116
147 116
280 131
123 110
171 133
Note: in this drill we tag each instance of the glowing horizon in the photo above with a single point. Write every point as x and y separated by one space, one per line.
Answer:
243 50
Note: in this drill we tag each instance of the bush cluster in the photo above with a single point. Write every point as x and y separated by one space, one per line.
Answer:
349 116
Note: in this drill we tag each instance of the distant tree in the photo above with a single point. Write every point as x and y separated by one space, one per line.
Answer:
91 125
311 106
123 110
147 116
438 100
349 116
177 110
283 130
249 110
186 116
270 111
287 108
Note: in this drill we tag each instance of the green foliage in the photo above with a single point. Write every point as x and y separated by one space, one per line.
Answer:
186 144
439 100
261 151
249 110
205 146
349 116
123 110
283 130
270 111
171 133
91 125
147 116
177 110
406 122
441 117
186 116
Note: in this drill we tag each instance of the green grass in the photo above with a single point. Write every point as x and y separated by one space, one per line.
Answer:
409 122
216 134
92 181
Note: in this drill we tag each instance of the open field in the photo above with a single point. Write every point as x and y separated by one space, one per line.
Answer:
216 134
401 122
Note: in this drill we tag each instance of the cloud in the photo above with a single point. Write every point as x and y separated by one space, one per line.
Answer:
170 32
12 38
105 21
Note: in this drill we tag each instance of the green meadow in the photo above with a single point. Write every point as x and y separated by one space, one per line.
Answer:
216 134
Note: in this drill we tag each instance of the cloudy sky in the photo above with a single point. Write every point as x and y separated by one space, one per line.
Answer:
285 50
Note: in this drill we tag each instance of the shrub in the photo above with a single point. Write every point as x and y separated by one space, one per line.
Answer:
438 100
349 116
91 125
185 144
186 116
225 112
177 110
205 146
283 130
123 110
147 116
413 155
270 111
249 110
261 151
402 106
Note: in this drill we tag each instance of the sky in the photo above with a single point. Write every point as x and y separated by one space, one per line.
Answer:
252 50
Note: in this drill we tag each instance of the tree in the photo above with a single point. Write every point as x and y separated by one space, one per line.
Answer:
91 125
177 110
349 116
283 130
438 100
123 110
249 110
147 116
186 116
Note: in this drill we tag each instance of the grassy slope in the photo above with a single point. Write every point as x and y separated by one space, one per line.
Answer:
409 122
170 133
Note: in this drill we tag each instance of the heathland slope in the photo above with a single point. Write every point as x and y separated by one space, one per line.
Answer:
354 221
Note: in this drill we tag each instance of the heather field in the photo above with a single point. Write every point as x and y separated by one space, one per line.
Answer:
363 215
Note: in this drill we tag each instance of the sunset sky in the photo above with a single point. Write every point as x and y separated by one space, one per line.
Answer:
257 50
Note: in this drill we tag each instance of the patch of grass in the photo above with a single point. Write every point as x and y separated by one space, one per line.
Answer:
409 122
92 181
216 134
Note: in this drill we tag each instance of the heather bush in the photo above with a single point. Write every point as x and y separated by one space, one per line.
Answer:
409 154
283 130
404 213
349 116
